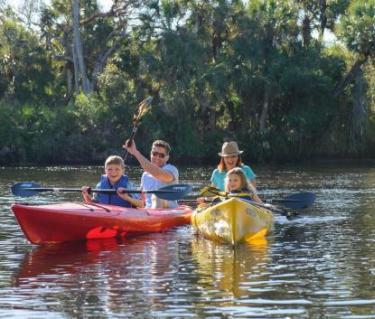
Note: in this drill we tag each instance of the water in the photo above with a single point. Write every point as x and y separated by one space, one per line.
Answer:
319 265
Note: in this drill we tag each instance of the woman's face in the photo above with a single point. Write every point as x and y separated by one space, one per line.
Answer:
230 161
233 183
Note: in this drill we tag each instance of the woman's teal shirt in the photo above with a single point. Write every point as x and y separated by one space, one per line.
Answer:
217 177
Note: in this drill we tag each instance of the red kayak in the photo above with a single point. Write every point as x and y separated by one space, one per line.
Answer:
56 223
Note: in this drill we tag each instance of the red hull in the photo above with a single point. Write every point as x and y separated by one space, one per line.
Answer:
56 223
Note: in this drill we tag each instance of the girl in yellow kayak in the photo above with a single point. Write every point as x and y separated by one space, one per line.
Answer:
236 185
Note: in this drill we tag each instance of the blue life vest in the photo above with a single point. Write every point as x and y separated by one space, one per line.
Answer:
112 199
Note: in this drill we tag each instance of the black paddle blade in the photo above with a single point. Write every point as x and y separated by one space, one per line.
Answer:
25 189
173 192
297 201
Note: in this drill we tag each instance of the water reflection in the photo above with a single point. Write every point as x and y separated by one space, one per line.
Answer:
105 276
320 265
229 268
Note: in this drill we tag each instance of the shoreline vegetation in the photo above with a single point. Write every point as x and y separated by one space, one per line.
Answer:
261 73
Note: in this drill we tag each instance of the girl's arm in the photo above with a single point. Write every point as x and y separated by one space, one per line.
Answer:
254 194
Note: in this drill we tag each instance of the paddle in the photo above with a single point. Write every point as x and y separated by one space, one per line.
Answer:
297 201
141 110
294 201
170 192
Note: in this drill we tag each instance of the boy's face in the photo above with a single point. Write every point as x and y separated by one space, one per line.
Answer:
233 182
114 172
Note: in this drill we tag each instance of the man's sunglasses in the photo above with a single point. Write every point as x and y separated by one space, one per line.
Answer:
161 155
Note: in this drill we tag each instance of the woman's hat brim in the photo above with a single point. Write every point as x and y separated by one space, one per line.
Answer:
231 154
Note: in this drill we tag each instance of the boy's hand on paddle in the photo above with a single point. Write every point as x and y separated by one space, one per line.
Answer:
86 190
121 192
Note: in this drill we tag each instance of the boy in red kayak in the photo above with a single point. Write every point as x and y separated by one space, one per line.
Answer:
114 177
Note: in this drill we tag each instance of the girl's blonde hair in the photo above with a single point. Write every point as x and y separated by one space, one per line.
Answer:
245 186
114 160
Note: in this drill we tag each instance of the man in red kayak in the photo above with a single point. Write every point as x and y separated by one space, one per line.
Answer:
157 172
114 177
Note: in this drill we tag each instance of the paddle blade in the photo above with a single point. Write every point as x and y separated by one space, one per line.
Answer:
25 189
142 109
173 192
297 201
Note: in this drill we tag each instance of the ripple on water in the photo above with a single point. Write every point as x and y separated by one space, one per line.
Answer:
319 264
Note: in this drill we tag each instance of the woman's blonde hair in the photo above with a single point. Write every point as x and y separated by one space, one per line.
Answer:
245 186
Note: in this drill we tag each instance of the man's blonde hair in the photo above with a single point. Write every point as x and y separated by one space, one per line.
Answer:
114 160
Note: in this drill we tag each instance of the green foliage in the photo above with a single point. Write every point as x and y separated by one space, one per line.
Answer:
255 72
358 27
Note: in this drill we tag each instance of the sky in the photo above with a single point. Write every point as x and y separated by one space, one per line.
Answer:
103 4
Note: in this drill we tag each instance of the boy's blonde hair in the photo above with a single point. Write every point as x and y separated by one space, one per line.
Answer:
114 160
245 187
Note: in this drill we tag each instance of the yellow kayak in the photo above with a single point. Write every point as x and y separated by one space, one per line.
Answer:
233 221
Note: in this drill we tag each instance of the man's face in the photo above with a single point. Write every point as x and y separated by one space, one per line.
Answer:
159 156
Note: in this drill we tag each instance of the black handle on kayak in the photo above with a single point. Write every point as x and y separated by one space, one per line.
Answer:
170 192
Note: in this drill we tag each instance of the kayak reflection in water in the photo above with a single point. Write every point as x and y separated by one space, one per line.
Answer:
114 178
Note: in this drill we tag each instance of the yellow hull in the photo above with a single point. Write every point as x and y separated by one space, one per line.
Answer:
233 221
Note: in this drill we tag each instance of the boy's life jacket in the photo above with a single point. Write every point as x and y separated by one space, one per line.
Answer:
112 199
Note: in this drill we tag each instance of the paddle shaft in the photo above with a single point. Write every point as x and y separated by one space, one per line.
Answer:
96 190
136 121
169 192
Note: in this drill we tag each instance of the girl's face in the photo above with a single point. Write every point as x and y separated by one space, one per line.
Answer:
230 162
233 183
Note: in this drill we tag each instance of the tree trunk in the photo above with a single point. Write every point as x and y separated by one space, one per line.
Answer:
359 115
323 18
102 59
349 77
264 115
79 63
306 31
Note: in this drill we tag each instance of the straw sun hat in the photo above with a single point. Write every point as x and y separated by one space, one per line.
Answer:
230 149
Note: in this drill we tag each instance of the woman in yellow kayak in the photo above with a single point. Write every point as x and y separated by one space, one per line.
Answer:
230 157
235 185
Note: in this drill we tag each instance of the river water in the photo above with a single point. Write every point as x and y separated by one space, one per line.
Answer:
319 265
